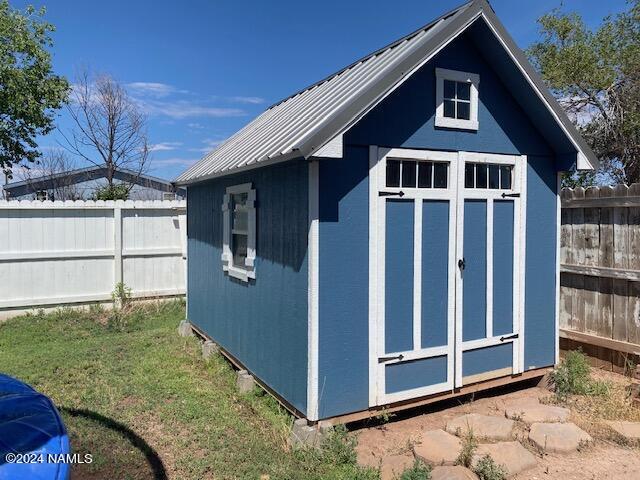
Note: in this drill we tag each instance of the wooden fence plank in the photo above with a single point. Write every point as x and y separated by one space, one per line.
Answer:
578 244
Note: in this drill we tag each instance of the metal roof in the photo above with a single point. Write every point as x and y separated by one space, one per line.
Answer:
304 122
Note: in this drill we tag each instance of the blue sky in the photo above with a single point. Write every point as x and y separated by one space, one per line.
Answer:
203 69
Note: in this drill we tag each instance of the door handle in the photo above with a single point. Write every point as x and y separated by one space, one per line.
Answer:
388 359
391 194
461 264
511 195
509 337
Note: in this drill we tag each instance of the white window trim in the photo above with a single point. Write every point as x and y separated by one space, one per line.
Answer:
246 271
443 74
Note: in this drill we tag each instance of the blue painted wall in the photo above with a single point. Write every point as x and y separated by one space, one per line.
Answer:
406 119
263 323
343 361
504 126
540 281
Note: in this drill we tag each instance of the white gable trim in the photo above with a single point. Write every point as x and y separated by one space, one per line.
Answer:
582 159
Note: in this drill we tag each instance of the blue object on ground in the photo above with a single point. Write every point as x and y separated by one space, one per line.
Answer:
30 425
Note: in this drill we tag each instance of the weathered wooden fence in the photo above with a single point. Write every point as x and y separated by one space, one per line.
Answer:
600 270
54 253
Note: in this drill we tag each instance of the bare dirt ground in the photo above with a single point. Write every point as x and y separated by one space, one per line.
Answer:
389 445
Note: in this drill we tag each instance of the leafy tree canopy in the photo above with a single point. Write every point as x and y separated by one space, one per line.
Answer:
29 91
596 76
117 191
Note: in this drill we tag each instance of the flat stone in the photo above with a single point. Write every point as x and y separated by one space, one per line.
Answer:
629 430
392 466
511 455
209 348
536 413
438 447
304 435
482 426
452 473
184 329
558 437
245 382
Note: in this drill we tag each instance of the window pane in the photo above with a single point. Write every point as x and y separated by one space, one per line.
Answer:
505 178
494 176
450 109
239 249
449 89
240 220
463 91
424 174
408 174
481 175
464 110
439 175
468 175
393 173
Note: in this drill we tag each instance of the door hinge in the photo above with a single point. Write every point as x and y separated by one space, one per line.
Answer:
461 264
511 195
509 337
391 194
388 359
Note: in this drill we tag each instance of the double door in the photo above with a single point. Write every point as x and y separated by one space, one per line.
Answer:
445 270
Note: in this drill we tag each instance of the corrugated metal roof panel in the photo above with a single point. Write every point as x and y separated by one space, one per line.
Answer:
284 128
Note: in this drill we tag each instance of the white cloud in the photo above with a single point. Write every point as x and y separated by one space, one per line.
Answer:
153 89
251 100
182 109
195 126
164 146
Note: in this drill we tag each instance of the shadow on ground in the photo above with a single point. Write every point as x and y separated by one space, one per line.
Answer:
151 456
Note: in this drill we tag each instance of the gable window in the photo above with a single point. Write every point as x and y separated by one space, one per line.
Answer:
239 232
456 99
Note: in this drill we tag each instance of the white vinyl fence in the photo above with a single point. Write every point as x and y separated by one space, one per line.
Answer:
54 253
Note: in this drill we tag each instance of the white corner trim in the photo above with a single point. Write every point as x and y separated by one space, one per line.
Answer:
443 74
313 291
331 149
373 275
558 233
246 271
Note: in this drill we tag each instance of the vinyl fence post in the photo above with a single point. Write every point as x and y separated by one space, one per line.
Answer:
117 232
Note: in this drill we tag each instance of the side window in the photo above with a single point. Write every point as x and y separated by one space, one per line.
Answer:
239 232
456 99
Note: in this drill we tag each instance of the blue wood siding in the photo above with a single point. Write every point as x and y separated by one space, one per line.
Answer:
406 119
540 279
263 323
503 225
398 285
474 283
344 283
435 271
418 373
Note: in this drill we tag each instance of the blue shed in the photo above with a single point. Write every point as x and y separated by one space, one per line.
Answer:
389 235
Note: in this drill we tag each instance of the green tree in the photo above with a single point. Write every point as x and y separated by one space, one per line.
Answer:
29 91
116 191
595 74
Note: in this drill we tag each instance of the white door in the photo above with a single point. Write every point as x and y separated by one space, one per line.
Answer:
419 335
490 252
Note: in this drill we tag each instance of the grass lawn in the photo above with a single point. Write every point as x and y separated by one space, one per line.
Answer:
144 403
